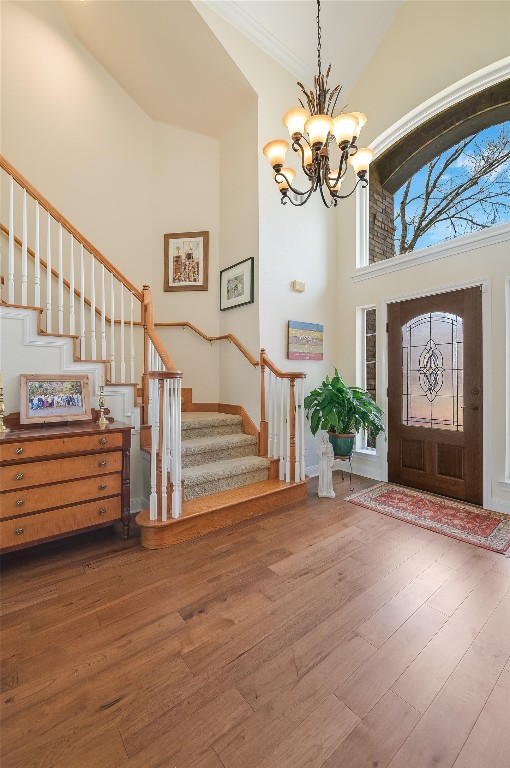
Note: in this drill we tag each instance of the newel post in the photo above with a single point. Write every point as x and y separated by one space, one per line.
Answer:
263 447
292 428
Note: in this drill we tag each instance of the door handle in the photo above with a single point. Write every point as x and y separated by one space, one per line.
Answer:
471 407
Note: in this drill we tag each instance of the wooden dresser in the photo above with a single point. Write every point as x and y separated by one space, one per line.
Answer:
58 480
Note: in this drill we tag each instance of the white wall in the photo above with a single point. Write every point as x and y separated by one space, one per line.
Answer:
76 135
186 198
293 243
401 75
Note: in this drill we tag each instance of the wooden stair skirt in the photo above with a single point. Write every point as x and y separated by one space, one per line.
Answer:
219 510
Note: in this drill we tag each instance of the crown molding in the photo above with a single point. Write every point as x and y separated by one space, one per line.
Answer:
233 13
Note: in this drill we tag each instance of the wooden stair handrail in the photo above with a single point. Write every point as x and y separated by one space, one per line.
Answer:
36 195
225 337
264 360
56 274
160 349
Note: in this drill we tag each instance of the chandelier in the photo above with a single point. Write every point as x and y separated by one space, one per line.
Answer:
317 152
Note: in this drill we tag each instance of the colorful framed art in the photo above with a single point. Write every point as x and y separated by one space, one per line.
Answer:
236 284
305 341
186 261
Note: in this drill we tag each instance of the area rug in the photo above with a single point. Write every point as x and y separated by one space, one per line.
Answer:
466 522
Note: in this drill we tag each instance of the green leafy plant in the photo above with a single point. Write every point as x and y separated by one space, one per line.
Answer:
335 407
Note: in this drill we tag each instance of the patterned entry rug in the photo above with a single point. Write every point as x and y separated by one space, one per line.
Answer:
466 522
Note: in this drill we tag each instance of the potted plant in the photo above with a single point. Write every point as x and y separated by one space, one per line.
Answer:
342 411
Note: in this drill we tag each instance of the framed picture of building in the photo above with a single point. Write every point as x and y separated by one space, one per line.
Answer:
236 284
47 398
186 261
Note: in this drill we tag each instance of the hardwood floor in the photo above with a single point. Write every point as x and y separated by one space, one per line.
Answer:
323 634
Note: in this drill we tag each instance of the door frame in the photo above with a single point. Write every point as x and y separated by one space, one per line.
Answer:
485 283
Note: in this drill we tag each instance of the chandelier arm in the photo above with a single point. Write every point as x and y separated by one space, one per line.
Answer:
333 198
286 199
293 189
364 183
297 144
341 173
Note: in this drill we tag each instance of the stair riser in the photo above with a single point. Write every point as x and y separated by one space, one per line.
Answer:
195 459
224 484
189 433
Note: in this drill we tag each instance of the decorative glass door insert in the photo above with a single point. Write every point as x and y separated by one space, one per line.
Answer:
432 371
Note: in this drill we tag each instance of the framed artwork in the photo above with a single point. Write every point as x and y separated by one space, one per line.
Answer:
186 261
236 284
46 398
306 341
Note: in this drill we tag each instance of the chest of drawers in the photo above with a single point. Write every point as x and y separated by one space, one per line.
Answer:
56 481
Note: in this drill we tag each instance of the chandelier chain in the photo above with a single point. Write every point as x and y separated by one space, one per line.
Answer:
319 36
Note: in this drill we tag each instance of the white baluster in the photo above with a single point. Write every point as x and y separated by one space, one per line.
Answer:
60 283
151 352
122 340
177 477
132 343
10 273
92 309
112 329
153 502
72 313
268 382
37 264
164 449
275 416
48 275
82 304
287 417
297 430
24 264
282 429
103 313
302 414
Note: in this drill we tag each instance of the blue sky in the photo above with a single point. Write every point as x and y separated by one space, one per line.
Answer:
443 231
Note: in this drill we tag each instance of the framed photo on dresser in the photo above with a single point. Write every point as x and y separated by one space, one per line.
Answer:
47 398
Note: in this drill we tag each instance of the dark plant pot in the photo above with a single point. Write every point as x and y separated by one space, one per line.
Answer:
342 444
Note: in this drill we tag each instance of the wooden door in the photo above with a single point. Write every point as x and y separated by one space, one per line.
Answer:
435 394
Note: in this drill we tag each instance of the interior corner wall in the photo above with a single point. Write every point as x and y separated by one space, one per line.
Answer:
429 46
120 178
294 244
239 240
186 198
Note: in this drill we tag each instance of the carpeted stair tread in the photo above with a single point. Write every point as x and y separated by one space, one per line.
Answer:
209 424
223 475
205 450
227 468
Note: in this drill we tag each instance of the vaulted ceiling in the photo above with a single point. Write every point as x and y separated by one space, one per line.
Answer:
168 60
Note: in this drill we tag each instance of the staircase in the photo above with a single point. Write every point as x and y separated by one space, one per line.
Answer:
217 455
211 466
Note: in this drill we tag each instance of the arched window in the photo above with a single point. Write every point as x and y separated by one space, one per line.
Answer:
447 178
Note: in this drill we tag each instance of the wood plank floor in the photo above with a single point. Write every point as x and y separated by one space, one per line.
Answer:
323 634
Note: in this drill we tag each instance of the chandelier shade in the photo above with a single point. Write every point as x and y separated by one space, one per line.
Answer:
325 145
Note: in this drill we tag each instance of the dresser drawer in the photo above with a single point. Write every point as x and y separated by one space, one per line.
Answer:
14 451
23 530
26 500
58 470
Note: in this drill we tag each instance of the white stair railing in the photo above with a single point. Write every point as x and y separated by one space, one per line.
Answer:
164 418
282 410
61 292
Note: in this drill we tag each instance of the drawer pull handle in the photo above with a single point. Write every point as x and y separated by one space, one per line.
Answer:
102 463
19 531
102 487
103 441
102 511
20 503
19 450
19 475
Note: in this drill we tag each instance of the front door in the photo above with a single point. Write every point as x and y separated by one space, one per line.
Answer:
435 394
